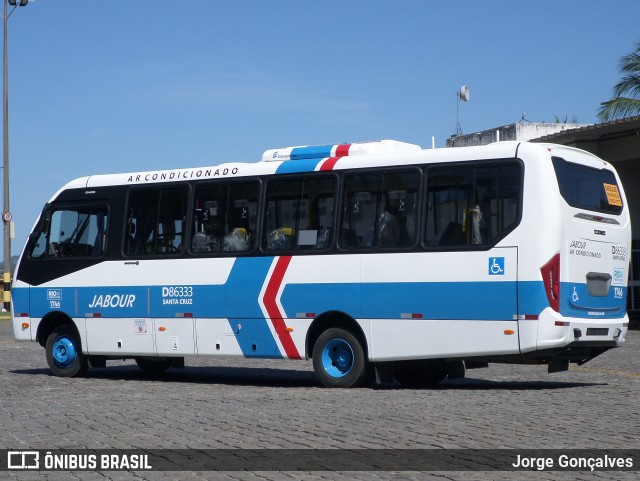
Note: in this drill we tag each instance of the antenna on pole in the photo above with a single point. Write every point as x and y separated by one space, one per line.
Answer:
464 95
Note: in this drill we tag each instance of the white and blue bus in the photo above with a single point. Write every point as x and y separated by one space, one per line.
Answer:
376 260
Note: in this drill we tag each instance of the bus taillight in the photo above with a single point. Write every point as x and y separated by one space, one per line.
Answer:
551 279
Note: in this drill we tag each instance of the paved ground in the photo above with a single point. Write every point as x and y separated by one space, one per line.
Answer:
275 404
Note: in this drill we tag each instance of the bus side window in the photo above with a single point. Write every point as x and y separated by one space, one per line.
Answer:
397 226
299 214
241 216
225 216
140 222
380 210
471 205
450 191
156 221
360 210
72 232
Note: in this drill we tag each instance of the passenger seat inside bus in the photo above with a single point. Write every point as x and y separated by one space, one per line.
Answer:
453 235
349 239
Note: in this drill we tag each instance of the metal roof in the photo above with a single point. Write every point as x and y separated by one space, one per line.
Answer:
589 133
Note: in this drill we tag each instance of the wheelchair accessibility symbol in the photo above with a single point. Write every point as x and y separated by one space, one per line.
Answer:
496 266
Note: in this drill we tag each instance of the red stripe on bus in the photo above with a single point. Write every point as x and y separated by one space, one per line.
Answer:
270 304
341 151
329 163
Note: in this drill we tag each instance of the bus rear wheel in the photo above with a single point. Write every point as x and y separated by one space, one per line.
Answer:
421 373
339 360
64 352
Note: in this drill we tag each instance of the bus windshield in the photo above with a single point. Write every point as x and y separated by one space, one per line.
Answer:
588 188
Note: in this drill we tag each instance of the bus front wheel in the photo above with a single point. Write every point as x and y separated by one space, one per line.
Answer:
64 352
339 359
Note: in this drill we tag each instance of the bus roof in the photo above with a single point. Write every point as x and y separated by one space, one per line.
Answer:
309 159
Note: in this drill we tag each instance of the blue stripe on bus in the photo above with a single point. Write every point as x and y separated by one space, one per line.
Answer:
319 298
444 300
532 298
295 166
575 301
312 152
242 308
20 299
238 301
430 300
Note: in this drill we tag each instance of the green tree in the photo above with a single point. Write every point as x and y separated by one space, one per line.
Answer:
626 100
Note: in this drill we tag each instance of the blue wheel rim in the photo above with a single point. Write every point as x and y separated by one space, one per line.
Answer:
337 358
64 352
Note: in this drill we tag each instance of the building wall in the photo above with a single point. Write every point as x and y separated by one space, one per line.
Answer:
518 131
629 172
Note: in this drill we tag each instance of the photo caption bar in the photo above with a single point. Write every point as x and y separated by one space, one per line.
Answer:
320 460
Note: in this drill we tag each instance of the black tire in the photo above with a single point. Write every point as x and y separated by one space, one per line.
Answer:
421 373
153 365
64 352
339 360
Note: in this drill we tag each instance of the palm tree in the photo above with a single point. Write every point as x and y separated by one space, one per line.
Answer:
619 106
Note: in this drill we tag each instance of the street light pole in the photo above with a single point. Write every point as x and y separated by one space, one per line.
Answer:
6 213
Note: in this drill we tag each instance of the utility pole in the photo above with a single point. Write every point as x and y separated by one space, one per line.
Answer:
6 212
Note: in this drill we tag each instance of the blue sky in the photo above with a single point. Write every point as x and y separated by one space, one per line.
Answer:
101 86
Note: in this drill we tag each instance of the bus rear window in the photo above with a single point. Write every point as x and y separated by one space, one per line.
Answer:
588 188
